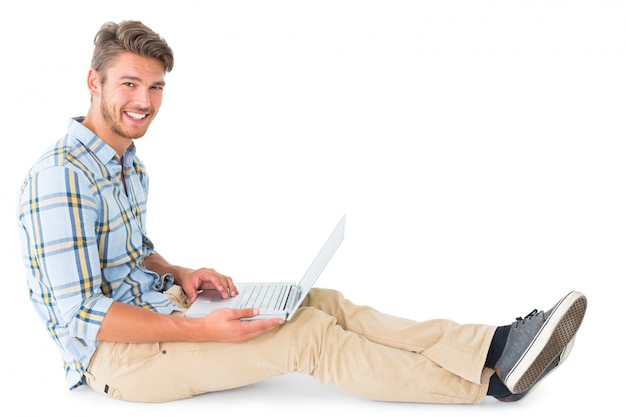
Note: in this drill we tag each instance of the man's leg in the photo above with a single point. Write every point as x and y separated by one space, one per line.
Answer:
362 352
460 349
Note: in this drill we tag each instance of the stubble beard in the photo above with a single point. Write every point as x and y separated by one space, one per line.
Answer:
117 127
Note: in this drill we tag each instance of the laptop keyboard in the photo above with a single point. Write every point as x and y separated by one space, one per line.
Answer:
265 296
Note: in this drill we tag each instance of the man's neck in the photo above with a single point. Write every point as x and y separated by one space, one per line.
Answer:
117 142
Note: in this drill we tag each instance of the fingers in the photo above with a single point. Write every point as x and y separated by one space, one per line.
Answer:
222 283
227 324
246 313
262 325
233 325
253 328
230 289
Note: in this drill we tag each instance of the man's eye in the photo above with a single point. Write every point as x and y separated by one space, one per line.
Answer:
129 84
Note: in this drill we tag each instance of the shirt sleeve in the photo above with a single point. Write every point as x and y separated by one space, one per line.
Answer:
59 214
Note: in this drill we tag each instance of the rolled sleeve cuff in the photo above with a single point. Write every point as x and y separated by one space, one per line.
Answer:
89 318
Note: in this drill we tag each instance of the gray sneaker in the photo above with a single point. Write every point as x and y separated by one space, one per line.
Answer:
536 340
558 361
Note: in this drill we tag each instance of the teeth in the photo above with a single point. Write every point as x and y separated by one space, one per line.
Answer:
136 116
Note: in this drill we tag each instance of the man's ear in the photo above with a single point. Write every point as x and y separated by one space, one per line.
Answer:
93 82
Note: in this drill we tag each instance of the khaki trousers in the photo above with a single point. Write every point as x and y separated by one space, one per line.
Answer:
354 348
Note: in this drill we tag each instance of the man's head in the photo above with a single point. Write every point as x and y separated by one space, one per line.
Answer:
126 81
129 36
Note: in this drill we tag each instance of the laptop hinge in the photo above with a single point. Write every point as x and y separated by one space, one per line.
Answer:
294 295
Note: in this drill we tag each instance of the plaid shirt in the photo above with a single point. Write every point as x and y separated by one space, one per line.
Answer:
83 241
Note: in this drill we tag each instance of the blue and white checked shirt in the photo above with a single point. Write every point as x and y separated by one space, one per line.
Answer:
83 241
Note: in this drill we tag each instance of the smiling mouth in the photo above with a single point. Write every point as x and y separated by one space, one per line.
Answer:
136 116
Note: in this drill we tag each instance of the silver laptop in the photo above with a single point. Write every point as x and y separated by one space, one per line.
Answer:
273 299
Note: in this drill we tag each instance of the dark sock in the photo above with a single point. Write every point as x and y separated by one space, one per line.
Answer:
497 389
497 346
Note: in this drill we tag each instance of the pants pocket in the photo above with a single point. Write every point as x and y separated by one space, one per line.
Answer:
118 370
101 387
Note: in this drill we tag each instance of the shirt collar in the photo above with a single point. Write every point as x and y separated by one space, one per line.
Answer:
97 146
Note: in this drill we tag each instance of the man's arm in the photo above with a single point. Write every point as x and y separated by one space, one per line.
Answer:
132 324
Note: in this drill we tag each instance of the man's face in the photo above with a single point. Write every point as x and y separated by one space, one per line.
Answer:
131 94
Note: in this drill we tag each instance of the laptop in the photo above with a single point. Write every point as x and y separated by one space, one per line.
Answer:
273 299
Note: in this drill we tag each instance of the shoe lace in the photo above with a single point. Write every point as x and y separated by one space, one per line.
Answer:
522 320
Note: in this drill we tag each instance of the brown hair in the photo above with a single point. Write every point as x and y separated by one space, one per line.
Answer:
129 36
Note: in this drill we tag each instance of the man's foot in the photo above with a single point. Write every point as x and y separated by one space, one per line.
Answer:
558 361
535 342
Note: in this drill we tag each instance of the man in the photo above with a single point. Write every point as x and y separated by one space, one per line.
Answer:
115 306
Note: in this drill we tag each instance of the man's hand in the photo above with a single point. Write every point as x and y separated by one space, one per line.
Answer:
206 279
193 280
225 325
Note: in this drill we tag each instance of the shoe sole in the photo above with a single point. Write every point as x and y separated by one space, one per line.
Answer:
556 333
561 358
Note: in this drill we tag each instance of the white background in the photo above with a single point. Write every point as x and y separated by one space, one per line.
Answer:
476 147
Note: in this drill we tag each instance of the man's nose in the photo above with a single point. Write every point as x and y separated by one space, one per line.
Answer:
142 97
